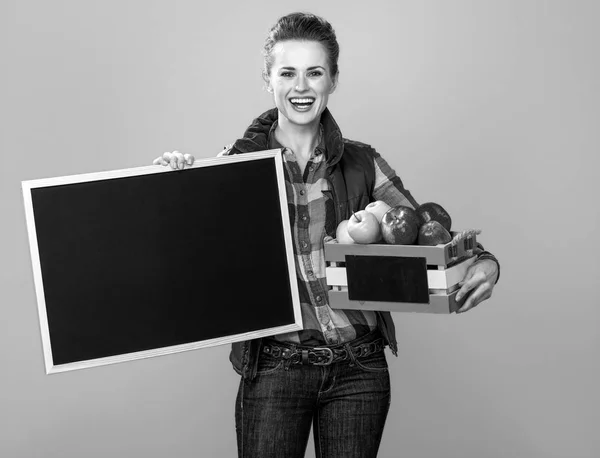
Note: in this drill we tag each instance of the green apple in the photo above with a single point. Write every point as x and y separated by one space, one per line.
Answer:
364 228
378 208
341 233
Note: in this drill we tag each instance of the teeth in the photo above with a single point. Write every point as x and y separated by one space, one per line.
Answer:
302 101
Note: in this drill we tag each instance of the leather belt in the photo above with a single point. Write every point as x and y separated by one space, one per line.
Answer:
322 356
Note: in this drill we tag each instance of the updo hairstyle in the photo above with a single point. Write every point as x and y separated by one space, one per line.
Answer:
303 27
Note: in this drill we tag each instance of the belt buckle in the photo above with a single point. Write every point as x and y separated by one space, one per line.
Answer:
329 356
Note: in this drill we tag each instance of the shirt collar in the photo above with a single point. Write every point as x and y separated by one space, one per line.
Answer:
274 144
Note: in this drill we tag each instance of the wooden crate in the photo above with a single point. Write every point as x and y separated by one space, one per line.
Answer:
397 278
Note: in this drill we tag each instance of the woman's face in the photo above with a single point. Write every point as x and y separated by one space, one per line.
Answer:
300 80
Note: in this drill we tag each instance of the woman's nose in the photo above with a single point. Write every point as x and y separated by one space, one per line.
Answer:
301 84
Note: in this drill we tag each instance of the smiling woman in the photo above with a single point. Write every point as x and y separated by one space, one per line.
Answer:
333 373
299 76
301 82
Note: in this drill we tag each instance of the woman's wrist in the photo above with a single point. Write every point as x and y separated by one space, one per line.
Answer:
487 255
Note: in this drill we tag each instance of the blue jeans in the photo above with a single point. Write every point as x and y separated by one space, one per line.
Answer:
346 402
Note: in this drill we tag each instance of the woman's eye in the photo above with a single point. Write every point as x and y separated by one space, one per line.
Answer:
315 73
287 74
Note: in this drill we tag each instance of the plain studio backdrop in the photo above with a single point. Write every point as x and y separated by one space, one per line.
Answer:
490 108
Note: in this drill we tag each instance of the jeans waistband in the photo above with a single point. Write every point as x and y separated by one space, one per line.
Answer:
362 347
367 338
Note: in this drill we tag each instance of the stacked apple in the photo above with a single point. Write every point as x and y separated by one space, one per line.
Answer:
429 224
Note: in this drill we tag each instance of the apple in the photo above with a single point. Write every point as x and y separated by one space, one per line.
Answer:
378 208
364 228
341 233
400 226
433 233
430 211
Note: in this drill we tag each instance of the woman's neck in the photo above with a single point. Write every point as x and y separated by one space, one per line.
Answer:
302 140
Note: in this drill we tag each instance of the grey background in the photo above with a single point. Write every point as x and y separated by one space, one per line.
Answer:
490 108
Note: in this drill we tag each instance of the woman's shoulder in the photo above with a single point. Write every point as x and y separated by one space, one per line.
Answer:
355 147
358 144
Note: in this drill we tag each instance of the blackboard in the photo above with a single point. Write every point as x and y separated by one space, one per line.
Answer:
143 262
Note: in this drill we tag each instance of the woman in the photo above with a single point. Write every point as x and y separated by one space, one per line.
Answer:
333 374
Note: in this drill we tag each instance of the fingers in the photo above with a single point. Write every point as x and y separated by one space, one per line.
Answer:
162 160
475 288
167 159
479 295
189 159
175 160
472 279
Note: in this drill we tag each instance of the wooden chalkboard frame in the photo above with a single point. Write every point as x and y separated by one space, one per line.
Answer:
29 186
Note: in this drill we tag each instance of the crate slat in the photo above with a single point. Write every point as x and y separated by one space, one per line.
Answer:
337 251
439 303
441 255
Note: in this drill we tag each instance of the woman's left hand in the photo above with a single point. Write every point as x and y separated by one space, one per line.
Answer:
478 284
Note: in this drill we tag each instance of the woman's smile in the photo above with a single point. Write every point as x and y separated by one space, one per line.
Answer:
302 103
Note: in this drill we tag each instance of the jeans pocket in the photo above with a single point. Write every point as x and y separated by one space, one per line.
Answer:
374 363
267 365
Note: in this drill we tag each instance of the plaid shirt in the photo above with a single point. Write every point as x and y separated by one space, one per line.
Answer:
311 212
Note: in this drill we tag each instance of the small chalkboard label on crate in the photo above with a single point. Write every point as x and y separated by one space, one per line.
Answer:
387 279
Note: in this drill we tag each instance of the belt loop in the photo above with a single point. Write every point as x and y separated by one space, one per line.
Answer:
351 354
304 356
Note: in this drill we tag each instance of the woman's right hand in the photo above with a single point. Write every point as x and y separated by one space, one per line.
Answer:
176 160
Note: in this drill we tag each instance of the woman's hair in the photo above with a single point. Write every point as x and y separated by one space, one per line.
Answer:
302 26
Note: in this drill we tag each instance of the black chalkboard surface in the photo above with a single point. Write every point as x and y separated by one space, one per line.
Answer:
148 261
